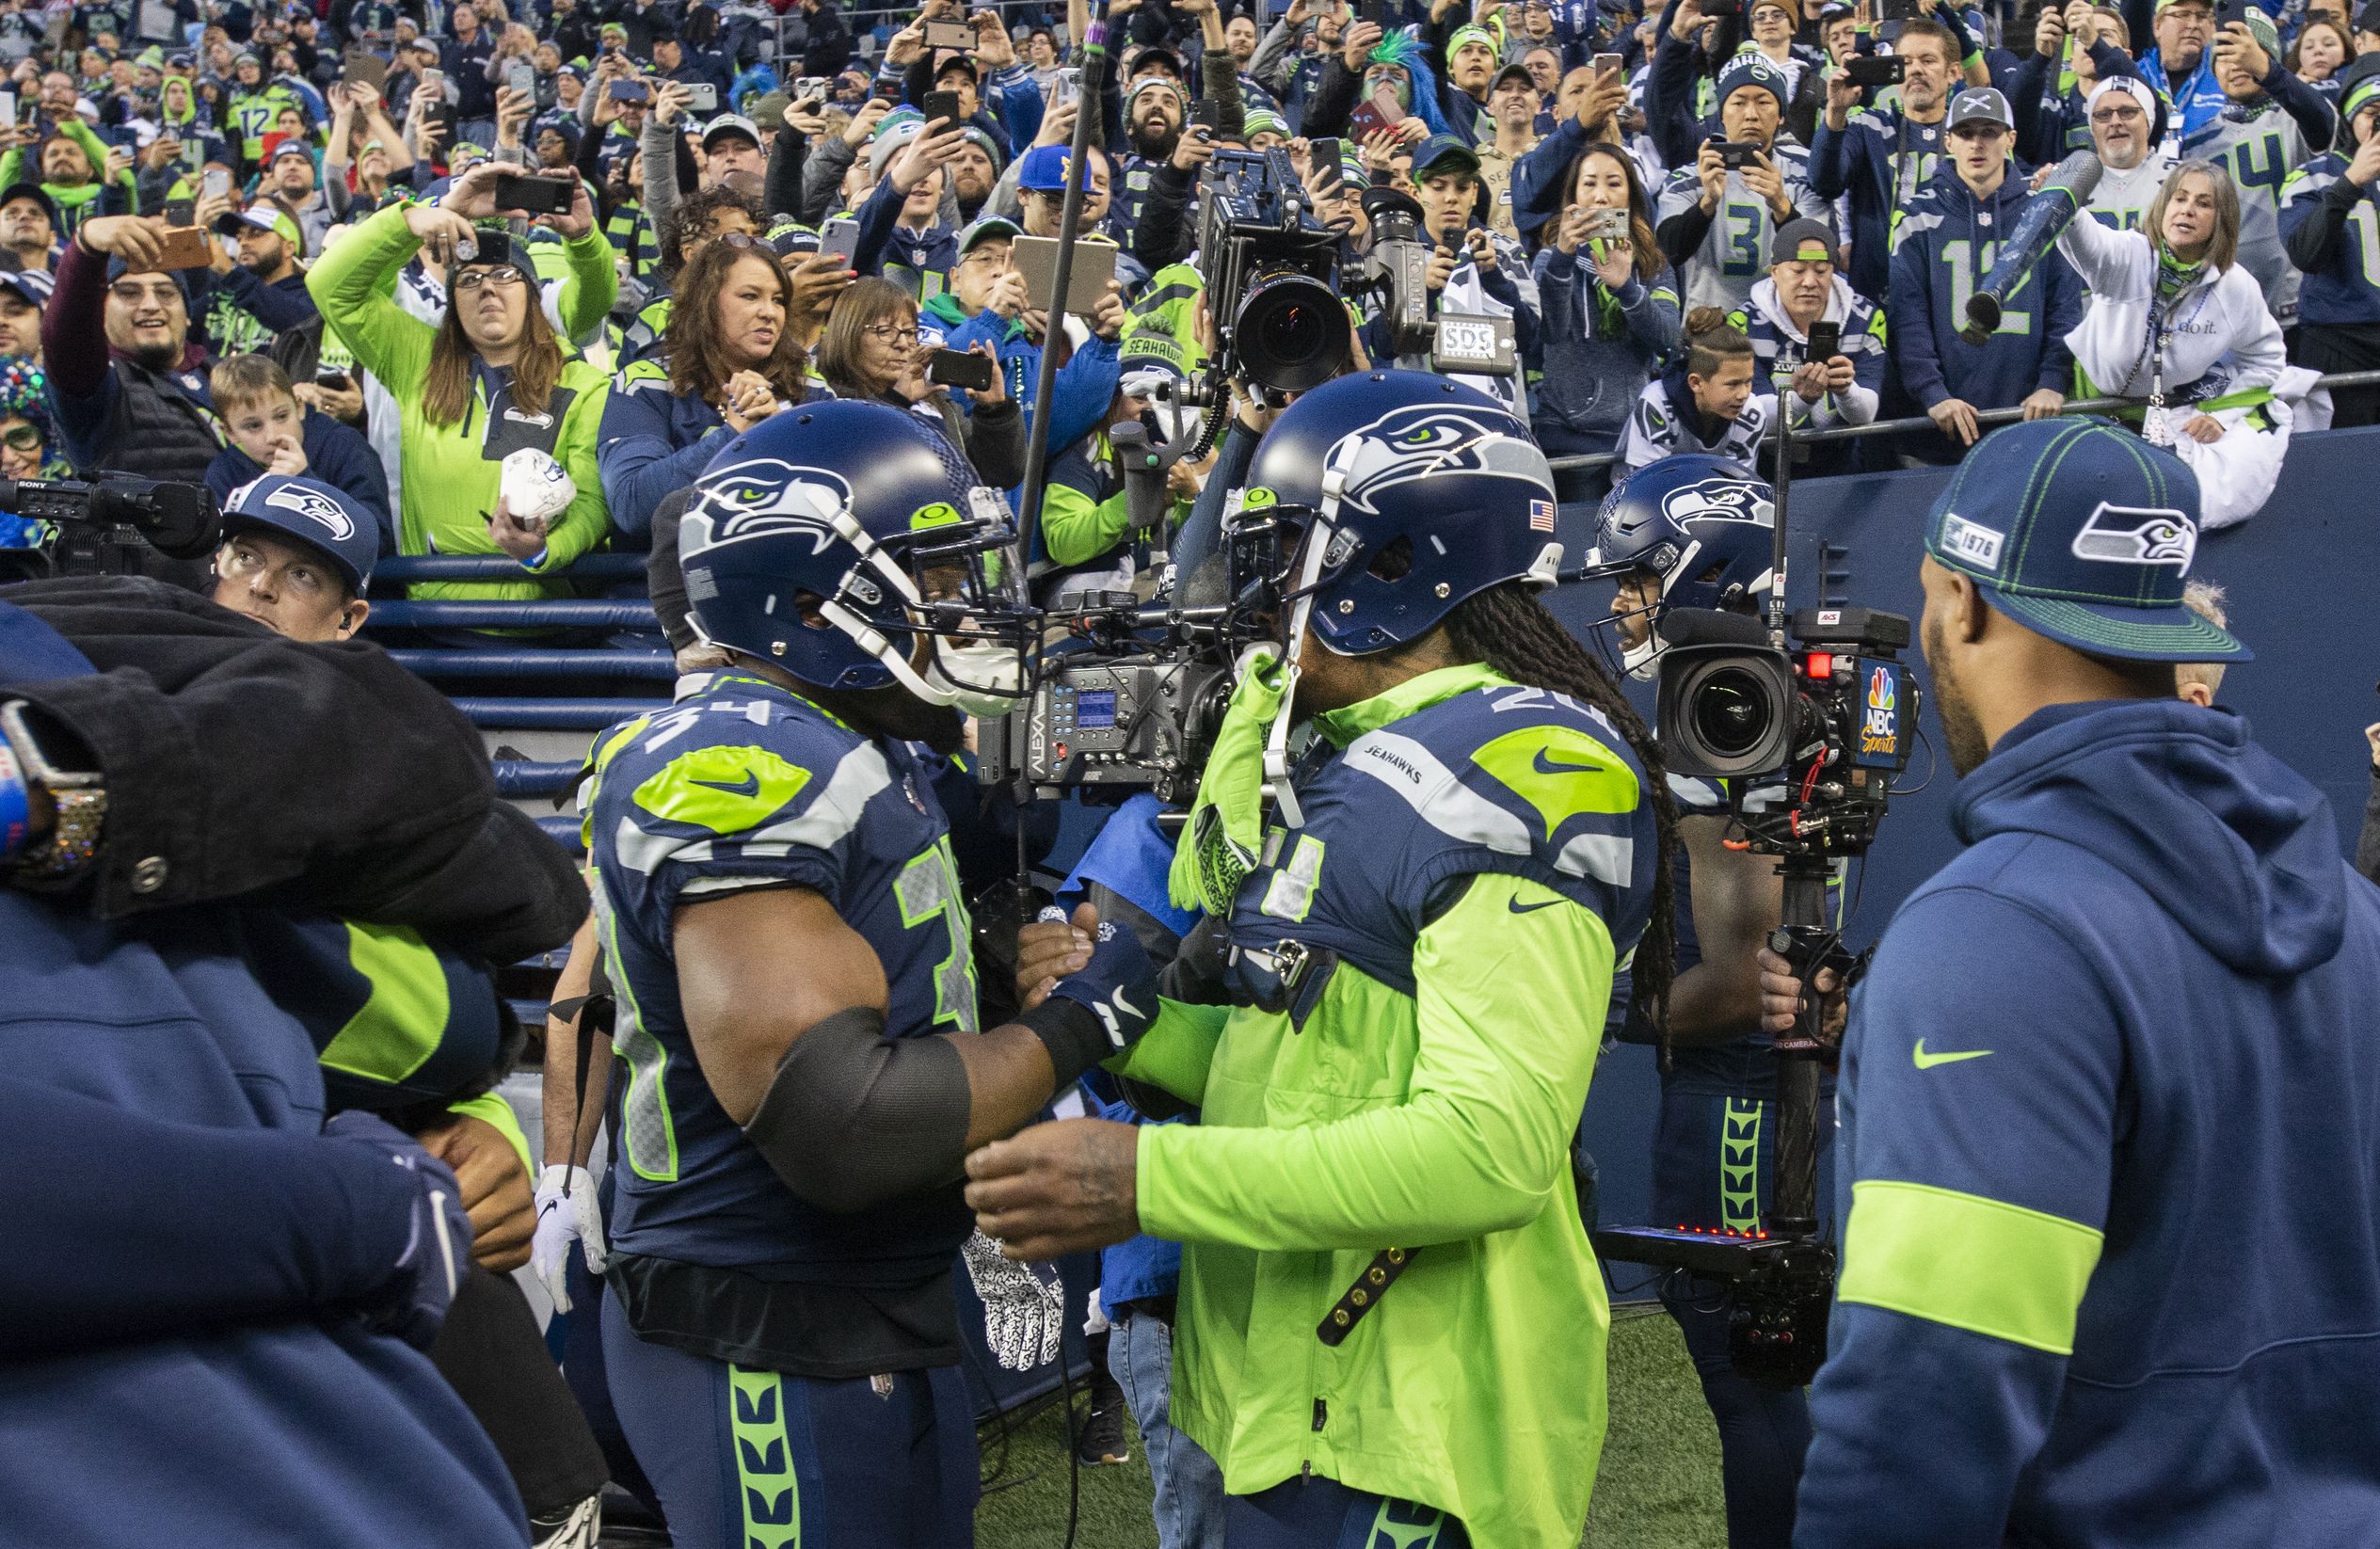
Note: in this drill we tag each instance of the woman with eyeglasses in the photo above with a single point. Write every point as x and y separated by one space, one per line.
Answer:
729 358
870 350
488 379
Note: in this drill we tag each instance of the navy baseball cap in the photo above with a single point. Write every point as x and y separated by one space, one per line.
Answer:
2083 532
1444 153
311 513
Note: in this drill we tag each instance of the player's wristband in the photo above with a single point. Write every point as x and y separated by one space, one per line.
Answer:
1072 1034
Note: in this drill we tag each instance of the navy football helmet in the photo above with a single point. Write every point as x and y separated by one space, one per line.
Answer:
1377 502
872 521
1705 525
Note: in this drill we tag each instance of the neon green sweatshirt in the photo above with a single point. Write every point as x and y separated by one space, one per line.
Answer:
447 484
1435 1119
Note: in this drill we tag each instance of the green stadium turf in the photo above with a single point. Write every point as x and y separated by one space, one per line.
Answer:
1658 1488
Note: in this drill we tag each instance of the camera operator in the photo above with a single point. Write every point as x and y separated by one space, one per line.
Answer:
1697 532
806 1071
140 784
1717 215
2074 1299
1419 975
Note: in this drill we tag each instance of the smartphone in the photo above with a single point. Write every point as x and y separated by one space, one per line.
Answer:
1064 87
186 246
629 91
956 35
361 64
812 88
1609 64
839 237
702 97
1722 8
1903 10
1376 12
1208 114
434 76
1826 341
218 182
1036 258
521 76
941 105
538 195
1328 162
959 367
8 108
1735 153
1875 68
2230 12
1384 103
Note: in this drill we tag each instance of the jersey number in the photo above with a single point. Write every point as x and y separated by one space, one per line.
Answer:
2363 229
928 890
1745 224
2247 174
1967 268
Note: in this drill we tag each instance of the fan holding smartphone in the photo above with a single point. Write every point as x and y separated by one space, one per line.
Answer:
1807 325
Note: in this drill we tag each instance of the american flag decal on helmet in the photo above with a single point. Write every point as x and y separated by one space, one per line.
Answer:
1540 516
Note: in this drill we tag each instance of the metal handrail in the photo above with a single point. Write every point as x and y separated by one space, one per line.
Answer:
1984 418
498 567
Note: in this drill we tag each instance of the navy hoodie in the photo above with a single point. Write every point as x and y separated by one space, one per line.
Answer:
2112 1261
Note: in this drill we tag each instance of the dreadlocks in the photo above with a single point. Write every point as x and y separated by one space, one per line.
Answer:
1508 630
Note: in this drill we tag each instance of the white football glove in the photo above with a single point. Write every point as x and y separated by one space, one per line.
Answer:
566 1213
1022 1313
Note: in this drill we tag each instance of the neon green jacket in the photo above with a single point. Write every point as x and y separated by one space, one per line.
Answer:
77 201
1437 1119
447 485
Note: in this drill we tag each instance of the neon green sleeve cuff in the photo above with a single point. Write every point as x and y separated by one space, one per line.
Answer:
1173 1055
491 1108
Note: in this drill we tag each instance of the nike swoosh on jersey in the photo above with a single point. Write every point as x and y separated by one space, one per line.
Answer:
748 785
1520 908
1544 765
1928 1062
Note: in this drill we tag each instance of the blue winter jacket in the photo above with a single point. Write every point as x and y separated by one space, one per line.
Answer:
2111 1271
337 454
1083 389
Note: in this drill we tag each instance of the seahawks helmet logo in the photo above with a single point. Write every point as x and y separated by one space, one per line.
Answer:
317 508
764 497
2132 534
1719 500
1426 440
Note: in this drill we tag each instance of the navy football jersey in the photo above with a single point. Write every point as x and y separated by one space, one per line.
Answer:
747 786
1500 778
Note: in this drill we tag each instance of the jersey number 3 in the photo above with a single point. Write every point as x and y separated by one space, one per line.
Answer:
929 894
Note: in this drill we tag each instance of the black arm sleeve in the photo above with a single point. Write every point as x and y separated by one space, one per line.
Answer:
782 192
664 581
1163 235
855 1119
242 765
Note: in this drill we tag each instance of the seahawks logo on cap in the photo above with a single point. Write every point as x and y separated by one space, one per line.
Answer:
315 508
2133 534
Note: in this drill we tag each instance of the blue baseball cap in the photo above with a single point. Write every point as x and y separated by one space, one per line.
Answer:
2082 533
1043 168
311 513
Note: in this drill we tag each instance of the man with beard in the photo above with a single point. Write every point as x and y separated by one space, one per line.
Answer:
2124 116
125 382
809 1064
247 302
71 161
28 225
22 294
1883 154
1153 111
290 182
1239 41
2102 1067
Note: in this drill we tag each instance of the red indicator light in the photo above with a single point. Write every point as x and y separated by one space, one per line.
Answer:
1821 664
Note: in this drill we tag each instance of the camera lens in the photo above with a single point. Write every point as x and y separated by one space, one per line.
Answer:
1730 713
1292 332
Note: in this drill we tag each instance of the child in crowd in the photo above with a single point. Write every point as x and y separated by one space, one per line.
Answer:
272 433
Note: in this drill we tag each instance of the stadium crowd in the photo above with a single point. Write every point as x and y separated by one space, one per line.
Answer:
411 277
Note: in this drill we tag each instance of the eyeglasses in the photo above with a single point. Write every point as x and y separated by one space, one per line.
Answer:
894 331
495 274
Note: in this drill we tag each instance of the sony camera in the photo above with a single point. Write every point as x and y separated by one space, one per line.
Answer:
1834 716
1273 275
1135 708
114 525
